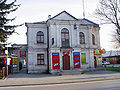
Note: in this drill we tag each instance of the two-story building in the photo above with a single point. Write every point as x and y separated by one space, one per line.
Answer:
62 43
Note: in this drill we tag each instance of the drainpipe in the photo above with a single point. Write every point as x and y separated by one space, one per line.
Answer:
48 50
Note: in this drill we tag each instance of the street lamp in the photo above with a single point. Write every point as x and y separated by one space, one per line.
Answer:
6 52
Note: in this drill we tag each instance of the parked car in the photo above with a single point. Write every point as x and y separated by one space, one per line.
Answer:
106 63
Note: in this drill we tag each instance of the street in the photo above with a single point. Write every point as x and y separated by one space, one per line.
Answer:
94 85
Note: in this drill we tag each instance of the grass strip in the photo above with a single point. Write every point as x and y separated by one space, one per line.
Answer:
113 68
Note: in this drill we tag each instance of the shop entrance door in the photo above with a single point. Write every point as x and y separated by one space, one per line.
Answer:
66 62
95 62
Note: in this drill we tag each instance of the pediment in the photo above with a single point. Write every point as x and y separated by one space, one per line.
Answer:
64 16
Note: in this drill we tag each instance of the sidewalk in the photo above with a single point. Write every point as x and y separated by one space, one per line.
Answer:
23 79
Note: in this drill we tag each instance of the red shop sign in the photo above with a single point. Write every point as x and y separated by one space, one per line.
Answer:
22 53
76 59
65 53
55 61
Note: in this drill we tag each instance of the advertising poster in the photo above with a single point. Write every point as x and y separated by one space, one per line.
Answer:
14 60
76 59
83 58
55 61
22 53
5 60
99 59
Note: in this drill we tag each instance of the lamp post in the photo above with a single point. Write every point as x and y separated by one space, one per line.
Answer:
6 52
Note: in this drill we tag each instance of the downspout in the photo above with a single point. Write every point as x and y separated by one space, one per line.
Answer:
48 49
27 47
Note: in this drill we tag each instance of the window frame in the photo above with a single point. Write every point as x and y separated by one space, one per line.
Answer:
39 58
40 37
93 39
82 38
65 38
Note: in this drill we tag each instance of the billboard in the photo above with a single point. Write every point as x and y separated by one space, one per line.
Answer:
83 58
55 61
76 59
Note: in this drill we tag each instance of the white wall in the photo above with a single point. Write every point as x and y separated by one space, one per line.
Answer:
55 27
35 48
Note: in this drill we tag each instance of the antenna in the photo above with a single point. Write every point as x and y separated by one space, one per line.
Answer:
83 9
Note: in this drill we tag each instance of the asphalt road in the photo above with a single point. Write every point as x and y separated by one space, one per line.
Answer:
94 85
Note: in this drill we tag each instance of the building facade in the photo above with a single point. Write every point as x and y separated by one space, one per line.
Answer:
62 43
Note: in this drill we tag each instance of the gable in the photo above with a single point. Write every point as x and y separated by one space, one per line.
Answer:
64 16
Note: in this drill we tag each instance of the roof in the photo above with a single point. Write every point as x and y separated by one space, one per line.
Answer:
42 22
88 22
111 53
64 12
84 21
18 45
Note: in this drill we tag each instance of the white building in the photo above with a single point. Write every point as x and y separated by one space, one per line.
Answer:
61 43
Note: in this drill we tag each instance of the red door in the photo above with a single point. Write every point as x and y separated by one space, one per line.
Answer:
66 62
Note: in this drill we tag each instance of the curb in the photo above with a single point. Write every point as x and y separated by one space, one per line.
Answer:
93 80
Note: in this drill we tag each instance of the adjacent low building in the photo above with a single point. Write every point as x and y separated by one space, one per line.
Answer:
112 56
62 43
19 56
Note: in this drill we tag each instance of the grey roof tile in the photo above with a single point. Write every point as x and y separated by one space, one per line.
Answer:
88 22
111 53
42 22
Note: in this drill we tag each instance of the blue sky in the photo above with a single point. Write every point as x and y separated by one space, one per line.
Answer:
38 10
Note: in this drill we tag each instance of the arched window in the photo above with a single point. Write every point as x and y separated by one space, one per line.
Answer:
65 38
40 37
82 38
93 39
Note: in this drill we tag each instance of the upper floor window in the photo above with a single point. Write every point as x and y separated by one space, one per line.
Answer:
65 38
82 38
40 37
40 59
93 39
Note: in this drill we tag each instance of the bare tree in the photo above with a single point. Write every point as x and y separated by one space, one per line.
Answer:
109 12
116 40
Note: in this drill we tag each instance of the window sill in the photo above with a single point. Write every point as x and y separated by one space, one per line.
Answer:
65 47
40 65
94 44
39 43
82 43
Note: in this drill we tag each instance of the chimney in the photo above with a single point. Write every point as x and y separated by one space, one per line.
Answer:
49 16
